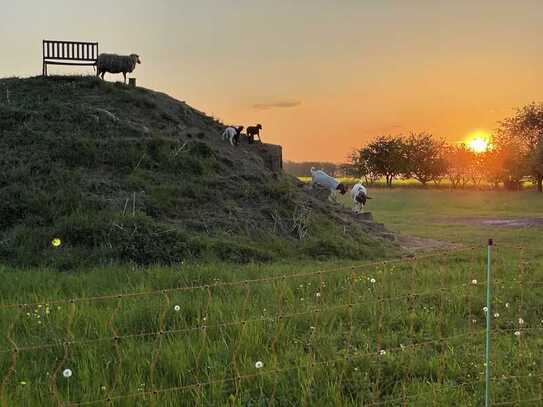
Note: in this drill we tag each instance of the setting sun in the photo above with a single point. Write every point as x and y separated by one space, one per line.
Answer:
479 142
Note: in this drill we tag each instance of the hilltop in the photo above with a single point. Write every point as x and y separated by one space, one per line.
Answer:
128 174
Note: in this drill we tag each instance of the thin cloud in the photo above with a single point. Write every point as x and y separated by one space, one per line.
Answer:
281 104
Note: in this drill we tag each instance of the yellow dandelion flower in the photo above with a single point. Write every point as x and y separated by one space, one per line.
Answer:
56 242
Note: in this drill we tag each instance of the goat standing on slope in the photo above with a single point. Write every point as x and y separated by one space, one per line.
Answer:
360 195
324 180
231 134
253 131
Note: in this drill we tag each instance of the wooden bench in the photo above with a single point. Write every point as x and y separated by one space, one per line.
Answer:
69 53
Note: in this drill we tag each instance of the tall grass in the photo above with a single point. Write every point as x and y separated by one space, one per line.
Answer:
401 333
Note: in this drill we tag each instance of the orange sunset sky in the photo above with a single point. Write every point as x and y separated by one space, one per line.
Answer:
321 76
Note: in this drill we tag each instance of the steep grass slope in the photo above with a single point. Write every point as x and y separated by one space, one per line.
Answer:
128 174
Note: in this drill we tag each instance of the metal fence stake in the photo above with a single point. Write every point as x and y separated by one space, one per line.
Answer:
488 316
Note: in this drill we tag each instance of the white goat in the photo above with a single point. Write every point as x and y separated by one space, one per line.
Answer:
232 134
324 180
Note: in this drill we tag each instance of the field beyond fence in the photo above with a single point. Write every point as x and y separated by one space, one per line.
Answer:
409 331
444 184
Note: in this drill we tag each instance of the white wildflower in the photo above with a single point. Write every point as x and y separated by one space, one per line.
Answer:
177 308
517 333
372 281
382 352
496 315
259 365
506 305
318 295
67 373
485 309
474 282
520 321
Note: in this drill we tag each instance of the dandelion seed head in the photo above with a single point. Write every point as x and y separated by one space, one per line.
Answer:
372 281
67 373
177 308
474 282
506 305
382 352
259 365
485 309
496 315
517 333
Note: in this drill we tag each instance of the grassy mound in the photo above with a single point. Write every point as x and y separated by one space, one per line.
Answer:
128 174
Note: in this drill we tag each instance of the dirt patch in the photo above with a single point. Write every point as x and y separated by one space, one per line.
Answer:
507 223
418 244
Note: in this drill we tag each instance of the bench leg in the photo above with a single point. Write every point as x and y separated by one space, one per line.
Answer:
44 73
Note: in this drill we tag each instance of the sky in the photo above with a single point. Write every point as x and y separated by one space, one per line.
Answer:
322 77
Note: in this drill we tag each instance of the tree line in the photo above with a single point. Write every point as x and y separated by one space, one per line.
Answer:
302 169
514 154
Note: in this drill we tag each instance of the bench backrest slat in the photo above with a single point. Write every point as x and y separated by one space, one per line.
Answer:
70 50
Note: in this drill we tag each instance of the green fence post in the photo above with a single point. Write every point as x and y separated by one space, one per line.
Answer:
488 316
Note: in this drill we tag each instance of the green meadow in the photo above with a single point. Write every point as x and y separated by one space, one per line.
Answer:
407 331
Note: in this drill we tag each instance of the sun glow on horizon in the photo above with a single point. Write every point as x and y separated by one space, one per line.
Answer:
479 141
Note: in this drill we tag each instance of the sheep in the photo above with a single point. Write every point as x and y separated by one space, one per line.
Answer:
232 133
323 179
253 131
114 63
359 195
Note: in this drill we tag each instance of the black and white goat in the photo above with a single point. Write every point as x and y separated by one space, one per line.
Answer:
359 195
